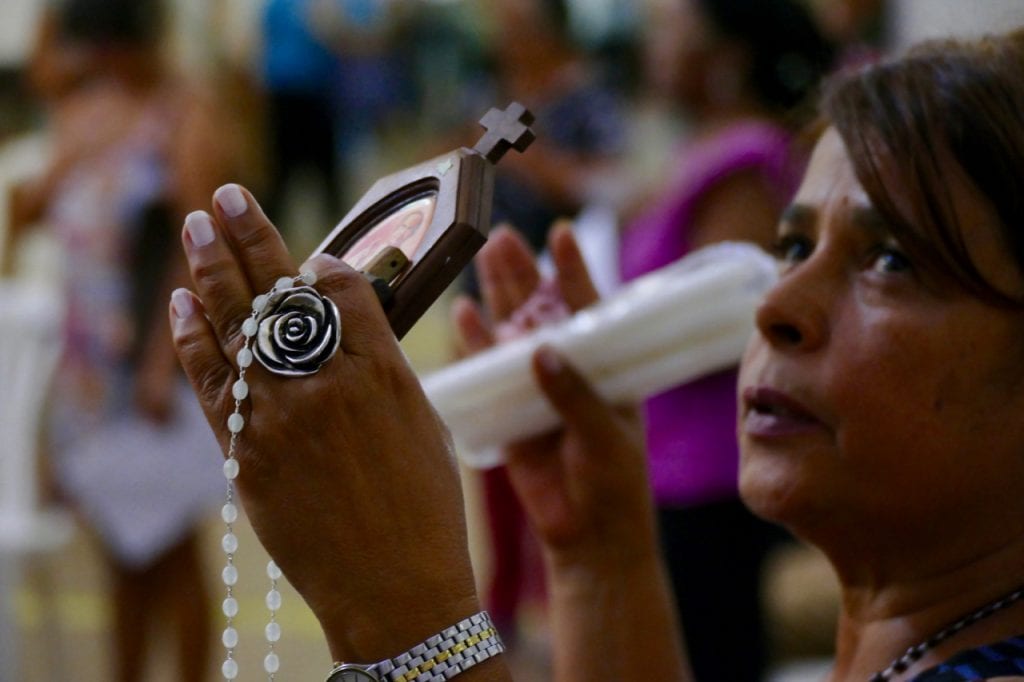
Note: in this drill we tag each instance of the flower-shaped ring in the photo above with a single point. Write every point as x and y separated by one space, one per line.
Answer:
299 330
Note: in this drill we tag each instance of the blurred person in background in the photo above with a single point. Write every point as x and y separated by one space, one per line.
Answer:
371 83
332 75
299 68
735 70
580 130
445 51
580 122
133 147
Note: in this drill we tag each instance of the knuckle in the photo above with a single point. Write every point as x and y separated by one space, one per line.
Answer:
210 387
189 346
208 274
205 370
253 234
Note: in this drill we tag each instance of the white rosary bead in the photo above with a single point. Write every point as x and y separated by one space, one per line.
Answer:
229 543
229 669
235 423
229 513
229 638
273 600
250 327
229 575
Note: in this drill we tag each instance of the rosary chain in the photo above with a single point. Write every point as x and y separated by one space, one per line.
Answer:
229 512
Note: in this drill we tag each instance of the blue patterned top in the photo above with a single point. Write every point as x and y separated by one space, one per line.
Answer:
1002 659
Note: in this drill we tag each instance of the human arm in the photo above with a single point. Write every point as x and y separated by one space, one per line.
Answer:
348 476
610 604
585 491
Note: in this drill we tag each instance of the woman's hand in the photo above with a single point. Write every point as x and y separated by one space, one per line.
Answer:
347 475
584 489
587 482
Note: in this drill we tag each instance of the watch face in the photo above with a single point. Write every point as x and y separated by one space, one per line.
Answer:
403 229
354 675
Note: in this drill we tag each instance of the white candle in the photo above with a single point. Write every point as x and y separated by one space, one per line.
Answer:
668 327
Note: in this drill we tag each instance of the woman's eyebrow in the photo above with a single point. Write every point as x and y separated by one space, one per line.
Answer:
865 217
868 218
798 216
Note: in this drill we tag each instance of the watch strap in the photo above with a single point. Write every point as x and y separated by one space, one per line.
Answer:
442 656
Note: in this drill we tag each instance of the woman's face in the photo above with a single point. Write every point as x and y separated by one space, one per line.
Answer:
870 397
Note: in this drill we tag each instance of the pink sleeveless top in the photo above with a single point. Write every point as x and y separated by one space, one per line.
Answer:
691 429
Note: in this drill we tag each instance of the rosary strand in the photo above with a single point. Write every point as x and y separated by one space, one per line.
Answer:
229 512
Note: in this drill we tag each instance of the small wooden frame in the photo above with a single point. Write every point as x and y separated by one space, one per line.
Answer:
436 213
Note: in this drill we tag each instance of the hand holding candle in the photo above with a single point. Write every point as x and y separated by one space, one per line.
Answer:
671 326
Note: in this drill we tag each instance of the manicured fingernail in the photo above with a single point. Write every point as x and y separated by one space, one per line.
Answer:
231 200
199 228
550 360
181 303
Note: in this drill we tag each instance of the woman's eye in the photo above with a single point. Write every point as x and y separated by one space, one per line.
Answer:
890 259
792 248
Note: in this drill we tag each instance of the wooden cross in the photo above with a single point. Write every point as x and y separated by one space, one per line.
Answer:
505 129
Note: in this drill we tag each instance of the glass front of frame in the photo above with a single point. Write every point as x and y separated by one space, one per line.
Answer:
403 228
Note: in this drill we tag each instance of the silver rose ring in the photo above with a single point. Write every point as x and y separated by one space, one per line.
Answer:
298 331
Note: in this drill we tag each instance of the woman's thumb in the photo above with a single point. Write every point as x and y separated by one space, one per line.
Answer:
572 396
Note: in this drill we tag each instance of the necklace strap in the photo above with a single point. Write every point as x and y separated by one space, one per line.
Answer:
916 652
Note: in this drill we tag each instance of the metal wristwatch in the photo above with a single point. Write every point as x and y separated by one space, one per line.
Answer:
438 658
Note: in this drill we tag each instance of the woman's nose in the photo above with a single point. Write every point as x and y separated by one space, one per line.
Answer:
792 316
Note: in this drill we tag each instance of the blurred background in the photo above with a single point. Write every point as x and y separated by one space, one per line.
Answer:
118 118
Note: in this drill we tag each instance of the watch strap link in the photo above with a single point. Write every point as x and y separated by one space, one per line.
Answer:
442 656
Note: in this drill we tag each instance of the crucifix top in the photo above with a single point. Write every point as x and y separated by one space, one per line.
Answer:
505 129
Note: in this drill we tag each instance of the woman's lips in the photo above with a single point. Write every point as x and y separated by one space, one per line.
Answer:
769 413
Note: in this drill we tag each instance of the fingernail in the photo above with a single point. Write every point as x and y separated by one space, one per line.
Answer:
550 360
181 303
199 228
231 200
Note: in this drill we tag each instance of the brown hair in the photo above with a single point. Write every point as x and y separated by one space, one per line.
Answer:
943 101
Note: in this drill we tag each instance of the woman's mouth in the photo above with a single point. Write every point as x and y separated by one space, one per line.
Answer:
770 413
